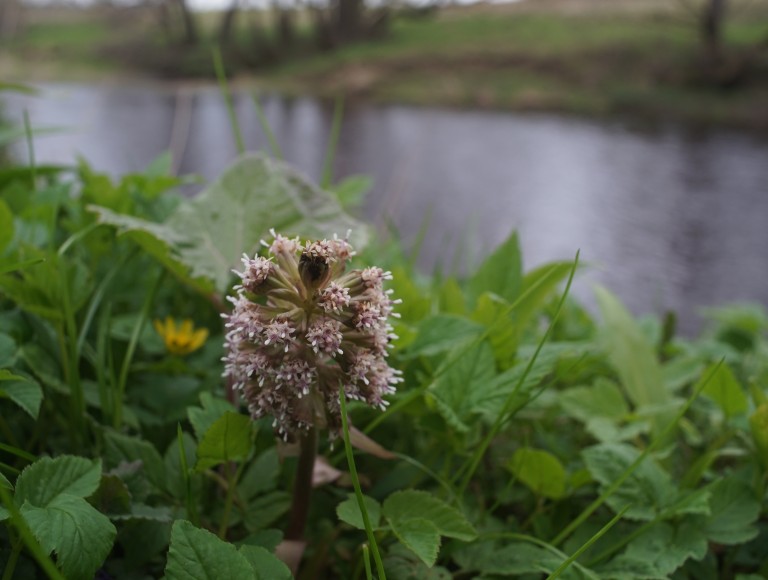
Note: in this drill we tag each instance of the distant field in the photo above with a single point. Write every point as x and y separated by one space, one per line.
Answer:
585 56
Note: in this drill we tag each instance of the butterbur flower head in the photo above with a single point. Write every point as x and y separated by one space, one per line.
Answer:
302 327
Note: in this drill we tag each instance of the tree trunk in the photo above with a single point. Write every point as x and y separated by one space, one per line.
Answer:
189 25
228 23
348 19
712 21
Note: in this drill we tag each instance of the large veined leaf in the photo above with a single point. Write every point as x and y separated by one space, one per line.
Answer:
209 233
50 494
410 504
197 554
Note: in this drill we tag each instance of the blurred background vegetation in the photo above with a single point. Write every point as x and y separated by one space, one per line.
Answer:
704 60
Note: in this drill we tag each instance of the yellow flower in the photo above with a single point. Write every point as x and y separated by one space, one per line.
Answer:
183 340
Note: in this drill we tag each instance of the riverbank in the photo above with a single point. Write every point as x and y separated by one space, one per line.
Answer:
587 57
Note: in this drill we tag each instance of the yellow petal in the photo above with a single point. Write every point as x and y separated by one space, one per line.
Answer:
159 327
186 327
198 339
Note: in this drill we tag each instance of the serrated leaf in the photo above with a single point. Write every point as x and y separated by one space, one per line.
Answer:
409 504
402 564
209 233
469 370
420 536
212 409
264 510
648 489
541 471
265 565
197 554
658 552
734 511
113 496
349 512
513 560
122 448
500 273
723 388
441 333
602 399
80 536
46 479
267 539
230 438
261 475
25 393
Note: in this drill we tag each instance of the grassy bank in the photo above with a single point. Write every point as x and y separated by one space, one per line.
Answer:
581 56
586 58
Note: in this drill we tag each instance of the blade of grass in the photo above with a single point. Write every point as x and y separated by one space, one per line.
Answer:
221 75
330 152
273 145
367 561
17 452
191 509
358 490
586 545
7 269
29 539
501 417
589 510
30 149
137 328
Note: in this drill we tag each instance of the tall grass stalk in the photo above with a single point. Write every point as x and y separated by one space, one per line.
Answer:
137 328
479 452
28 538
221 75
586 545
570 528
271 139
333 140
358 490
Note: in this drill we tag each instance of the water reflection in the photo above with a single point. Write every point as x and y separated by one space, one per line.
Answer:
668 219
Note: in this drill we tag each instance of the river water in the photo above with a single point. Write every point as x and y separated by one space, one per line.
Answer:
666 217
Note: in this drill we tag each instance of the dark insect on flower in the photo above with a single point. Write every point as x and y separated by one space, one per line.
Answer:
318 329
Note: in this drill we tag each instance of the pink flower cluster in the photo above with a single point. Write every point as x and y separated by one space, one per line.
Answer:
302 327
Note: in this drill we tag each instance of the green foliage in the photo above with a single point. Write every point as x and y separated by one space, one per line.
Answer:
49 494
206 236
228 439
527 438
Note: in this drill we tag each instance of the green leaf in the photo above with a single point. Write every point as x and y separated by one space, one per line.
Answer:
230 438
47 479
264 510
402 564
410 504
658 552
541 471
4 483
7 355
648 489
723 388
209 233
68 525
734 512
469 372
197 554
420 536
121 448
438 334
515 559
212 409
602 399
632 356
351 190
25 393
349 512
6 225
261 475
500 273
265 565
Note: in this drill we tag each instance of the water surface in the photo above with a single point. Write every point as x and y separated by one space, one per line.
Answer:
667 218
